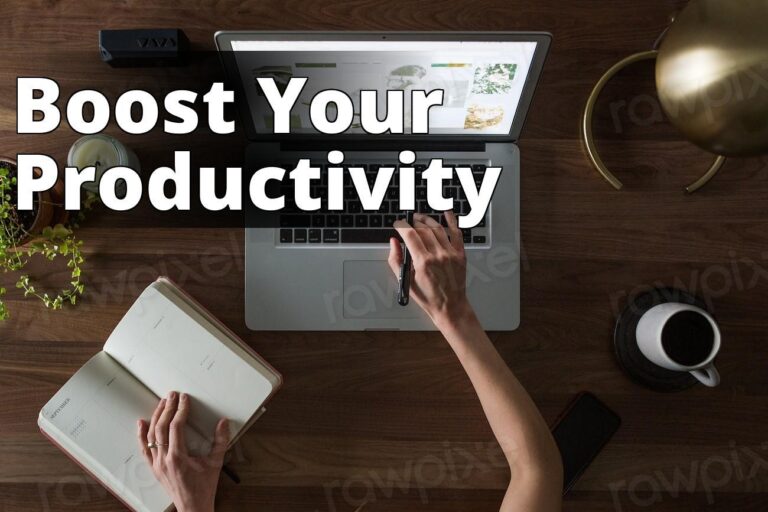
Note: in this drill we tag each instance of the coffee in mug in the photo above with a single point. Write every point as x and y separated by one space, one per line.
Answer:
681 337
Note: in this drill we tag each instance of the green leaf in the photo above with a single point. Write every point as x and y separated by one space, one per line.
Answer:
61 231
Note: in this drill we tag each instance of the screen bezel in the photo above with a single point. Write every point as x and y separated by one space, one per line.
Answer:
224 39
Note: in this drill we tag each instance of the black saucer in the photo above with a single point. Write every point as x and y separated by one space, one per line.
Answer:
631 359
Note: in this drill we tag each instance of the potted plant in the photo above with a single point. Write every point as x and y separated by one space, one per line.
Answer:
40 231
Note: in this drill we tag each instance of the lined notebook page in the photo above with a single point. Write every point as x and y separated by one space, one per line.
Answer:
168 345
93 416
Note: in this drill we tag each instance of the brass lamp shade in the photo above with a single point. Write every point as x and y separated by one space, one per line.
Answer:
712 75
711 78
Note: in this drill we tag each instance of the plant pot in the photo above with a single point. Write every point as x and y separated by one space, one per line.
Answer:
50 204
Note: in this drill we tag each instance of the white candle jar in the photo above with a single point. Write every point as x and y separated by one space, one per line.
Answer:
103 152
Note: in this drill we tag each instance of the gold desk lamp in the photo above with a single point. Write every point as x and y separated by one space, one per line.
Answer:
711 78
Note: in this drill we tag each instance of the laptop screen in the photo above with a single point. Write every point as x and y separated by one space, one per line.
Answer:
482 80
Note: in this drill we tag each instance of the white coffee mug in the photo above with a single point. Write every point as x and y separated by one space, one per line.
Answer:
649 340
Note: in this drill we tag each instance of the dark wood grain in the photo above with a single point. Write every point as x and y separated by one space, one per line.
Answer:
390 419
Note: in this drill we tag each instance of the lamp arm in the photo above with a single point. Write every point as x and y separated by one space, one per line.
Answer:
589 139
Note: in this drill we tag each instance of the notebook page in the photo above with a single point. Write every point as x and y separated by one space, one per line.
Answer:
168 348
94 417
178 297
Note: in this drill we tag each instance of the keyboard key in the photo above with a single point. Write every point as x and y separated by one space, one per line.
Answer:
389 220
286 236
318 221
347 221
330 236
354 207
332 221
367 236
300 236
421 192
361 221
467 235
478 239
314 236
295 221
375 221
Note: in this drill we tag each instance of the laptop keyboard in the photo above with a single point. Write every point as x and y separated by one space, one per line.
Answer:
353 225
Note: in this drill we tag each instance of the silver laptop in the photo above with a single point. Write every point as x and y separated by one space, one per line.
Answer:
328 271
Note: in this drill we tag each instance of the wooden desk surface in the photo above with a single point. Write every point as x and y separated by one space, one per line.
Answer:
391 419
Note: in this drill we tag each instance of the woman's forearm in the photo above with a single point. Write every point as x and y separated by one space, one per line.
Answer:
439 287
515 420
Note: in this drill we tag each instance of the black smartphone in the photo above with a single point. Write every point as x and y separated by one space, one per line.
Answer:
582 431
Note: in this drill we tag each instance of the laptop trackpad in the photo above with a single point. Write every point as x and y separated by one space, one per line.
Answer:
370 290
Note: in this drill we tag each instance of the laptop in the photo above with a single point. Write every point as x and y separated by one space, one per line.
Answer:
327 270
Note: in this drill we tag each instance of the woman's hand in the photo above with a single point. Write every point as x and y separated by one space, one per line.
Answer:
438 278
190 481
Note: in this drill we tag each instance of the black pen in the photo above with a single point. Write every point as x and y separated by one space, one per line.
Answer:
231 474
404 282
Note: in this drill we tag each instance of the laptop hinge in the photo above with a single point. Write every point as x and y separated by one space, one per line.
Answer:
383 145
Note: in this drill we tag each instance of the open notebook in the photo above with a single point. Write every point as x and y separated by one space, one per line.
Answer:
166 341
